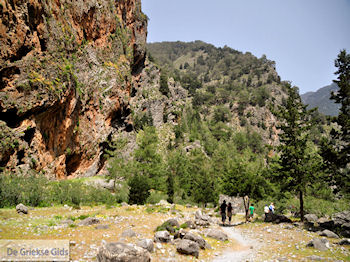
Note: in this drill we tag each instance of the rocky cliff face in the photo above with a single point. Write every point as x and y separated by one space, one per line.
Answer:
67 72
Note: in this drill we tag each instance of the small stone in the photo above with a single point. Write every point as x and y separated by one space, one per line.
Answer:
128 233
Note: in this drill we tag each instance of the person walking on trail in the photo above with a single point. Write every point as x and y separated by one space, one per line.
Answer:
266 211
272 208
251 214
229 212
223 212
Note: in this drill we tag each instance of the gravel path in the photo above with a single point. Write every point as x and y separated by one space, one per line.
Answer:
246 252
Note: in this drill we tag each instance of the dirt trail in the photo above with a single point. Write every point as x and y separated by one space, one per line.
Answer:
246 248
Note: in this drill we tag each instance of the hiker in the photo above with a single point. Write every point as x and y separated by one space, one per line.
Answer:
272 208
229 212
266 211
223 211
251 215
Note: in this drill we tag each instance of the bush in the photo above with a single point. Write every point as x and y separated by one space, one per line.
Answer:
28 190
37 190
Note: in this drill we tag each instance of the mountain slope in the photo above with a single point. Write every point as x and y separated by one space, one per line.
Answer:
226 85
321 99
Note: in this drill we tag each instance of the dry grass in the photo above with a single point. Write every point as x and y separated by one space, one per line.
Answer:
45 223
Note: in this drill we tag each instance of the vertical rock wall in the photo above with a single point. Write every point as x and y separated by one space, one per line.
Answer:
66 73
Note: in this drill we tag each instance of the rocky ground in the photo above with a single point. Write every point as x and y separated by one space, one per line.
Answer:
90 228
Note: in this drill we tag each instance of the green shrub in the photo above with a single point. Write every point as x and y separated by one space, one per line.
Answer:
36 190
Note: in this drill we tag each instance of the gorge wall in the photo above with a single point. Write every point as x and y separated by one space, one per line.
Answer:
67 72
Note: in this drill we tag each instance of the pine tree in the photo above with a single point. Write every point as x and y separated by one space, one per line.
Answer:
294 173
343 97
336 149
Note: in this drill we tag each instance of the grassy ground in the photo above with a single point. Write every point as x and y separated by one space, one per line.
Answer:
45 223
271 241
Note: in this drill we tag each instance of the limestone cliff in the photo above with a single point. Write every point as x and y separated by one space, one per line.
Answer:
67 71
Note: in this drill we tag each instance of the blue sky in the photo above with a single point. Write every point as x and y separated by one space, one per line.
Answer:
304 37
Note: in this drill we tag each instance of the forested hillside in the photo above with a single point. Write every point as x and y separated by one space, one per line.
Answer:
226 85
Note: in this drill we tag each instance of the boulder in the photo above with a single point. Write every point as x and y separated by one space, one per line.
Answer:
128 233
162 236
200 216
198 239
326 223
328 233
216 234
341 218
310 218
21 209
341 222
113 252
89 221
187 247
172 222
146 244
276 218
344 242
321 244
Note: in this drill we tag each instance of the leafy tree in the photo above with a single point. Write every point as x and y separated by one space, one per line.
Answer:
336 151
295 172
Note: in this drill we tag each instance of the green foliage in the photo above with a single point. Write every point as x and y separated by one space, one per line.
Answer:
184 226
36 190
222 114
155 196
336 149
164 88
142 120
139 189
299 162
116 170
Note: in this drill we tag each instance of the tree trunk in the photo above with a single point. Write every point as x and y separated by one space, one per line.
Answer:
246 207
301 205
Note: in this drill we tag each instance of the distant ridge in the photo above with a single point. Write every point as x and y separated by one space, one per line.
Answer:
321 99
